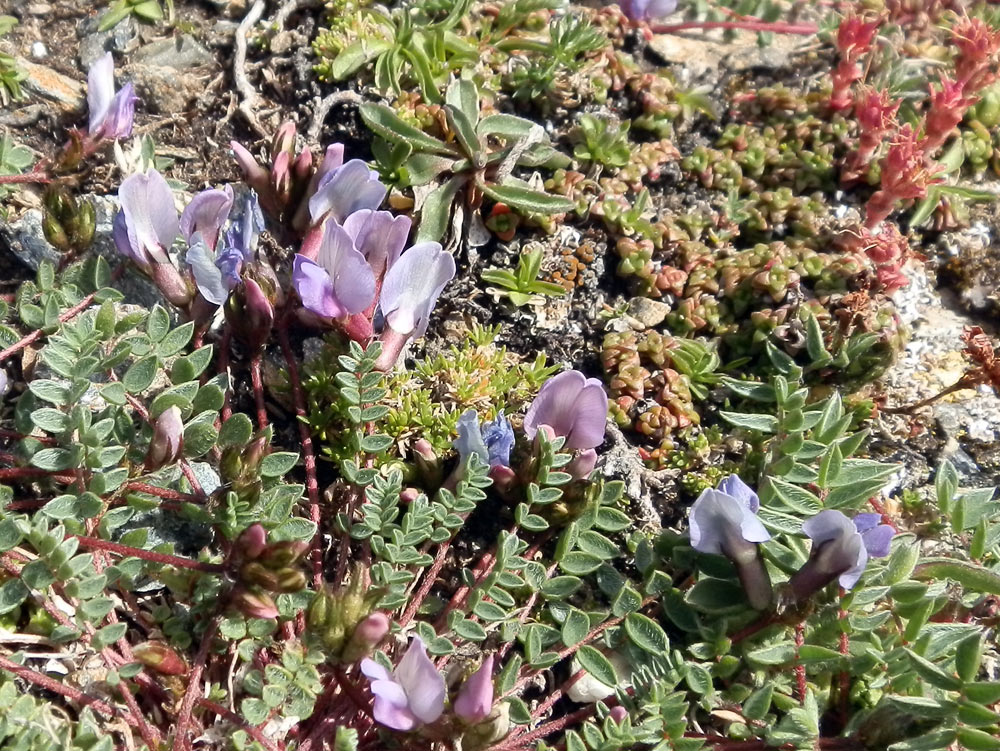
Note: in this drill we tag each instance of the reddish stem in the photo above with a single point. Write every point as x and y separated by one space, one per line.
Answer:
308 454
234 718
165 493
36 178
94 543
258 390
50 684
193 693
778 27
800 669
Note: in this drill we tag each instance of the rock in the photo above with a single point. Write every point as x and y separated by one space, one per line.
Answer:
25 240
42 80
180 52
165 90
39 51
708 51
122 37
648 312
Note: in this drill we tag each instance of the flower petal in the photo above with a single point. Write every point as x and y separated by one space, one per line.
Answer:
555 404
150 216
374 671
100 92
739 490
391 707
121 113
498 435
422 682
849 578
475 699
878 540
379 236
828 525
591 417
353 281
206 274
206 214
412 286
864 522
315 288
470 437
343 191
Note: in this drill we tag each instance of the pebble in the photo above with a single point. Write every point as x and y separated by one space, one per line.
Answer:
179 52
123 37
648 312
165 90
38 50
50 84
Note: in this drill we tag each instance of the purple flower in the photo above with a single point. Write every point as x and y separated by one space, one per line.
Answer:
379 236
412 694
146 226
111 113
724 522
345 189
574 406
412 286
217 274
841 548
475 699
492 442
647 10
340 282
206 214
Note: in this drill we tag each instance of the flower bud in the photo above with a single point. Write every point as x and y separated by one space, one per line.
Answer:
582 464
475 700
281 177
167 442
367 635
171 284
160 657
54 233
255 175
302 167
255 604
250 313
283 141
289 580
618 714
252 541
285 553
257 574
84 227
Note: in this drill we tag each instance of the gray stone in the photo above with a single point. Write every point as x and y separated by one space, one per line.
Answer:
180 52
93 43
164 90
648 312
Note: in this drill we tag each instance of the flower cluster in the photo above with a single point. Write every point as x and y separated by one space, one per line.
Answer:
414 693
724 522
906 175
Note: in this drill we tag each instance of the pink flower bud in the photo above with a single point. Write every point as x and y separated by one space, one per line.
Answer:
475 700
254 175
284 140
167 442
618 714
281 177
302 167
367 635
582 464
160 657
255 604
252 541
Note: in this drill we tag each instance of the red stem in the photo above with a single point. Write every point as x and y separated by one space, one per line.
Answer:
50 684
94 543
165 493
777 27
193 693
308 454
258 390
234 718
800 669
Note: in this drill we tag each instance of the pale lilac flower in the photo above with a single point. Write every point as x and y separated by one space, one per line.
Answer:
206 214
344 190
475 699
841 548
111 113
379 236
412 286
575 407
724 522
412 694
647 10
146 226
340 282
217 274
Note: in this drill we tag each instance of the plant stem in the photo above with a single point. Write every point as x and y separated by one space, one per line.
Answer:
234 718
33 177
258 391
165 493
94 543
193 693
961 383
308 454
50 684
750 24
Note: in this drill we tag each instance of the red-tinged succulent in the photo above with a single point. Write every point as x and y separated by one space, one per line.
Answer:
978 45
948 105
876 115
854 40
906 175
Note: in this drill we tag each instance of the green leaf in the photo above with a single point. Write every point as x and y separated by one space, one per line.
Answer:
464 131
578 563
140 375
717 596
527 200
977 740
969 575
278 463
646 634
759 423
149 10
384 122
199 438
12 594
355 55
796 498
597 665
698 679
489 611
968 654
933 674
158 323
469 630
759 702
509 127
463 96
436 210
108 635
176 340
236 431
